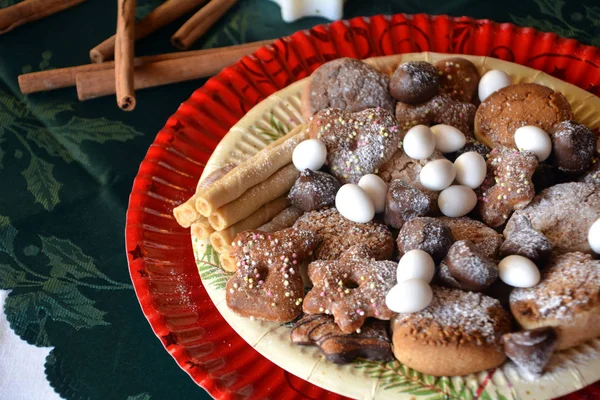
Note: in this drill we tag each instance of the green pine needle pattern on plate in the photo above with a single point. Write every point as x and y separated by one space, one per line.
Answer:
275 130
209 266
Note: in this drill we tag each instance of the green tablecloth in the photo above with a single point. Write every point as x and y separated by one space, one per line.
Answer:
66 170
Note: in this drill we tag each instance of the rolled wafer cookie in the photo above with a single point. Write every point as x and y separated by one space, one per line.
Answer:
283 220
186 213
228 262
276 185
221 240
251 173
201 228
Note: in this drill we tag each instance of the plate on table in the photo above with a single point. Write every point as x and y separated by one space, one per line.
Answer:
161 260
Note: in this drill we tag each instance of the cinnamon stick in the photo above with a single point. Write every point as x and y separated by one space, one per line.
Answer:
31 10
162 15
124 52
204 63
65 77
200 22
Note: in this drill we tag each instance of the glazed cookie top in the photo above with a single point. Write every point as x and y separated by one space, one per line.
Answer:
514 106
349 85
338 234
570 285
564 213
483 237
456 317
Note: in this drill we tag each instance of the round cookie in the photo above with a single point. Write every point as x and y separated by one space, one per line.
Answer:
567 298
458 334
573 146
338 234
313 190
563 213
414 82
592 175
487 240
427 234
514 106
347 84
459 78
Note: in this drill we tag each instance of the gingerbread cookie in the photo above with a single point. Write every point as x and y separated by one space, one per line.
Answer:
338 234
531 350
466 267
508 186
567 298
357 143
313 190
404 202
487 240
459 78
564 214
371 342
527 242
440 109
458 334
414 82
267 284
514 106
573 146
427 234
351 288
347 84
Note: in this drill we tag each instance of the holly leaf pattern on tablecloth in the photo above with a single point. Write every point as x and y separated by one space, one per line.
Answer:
41 182
141 396
145 7
7 3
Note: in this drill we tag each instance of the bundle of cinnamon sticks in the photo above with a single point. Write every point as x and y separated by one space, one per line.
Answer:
127 73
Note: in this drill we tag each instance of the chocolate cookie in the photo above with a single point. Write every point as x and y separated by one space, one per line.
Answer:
527 242
440 109
487 240
466 267
573 146
514 106
371 342
347 84
357 143
428 234
531 350
459 78
414 82
404 202
564 214
458 334
567 298
313 190
267 284
337 234
351 288
508 186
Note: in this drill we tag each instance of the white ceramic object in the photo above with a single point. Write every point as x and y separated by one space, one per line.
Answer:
491 82
448 139
419 142
309 154
415 264
376 188
354 203
471 169
518 271
291 10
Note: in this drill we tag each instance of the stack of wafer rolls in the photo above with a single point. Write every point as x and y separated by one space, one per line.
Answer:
234 199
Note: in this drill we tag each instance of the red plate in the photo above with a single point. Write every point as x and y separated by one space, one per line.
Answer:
161 261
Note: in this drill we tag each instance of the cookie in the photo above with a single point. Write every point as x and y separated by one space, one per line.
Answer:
564 214
471 145
592 174
313 190
504 111
404 202
458 334
347 84
351 288
337 234
487 240
440 109
527 242
459 78
468 268
267 284
531 350
414 82
357 143
567 298
508 186
427 234
372 342
544 177
573 146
